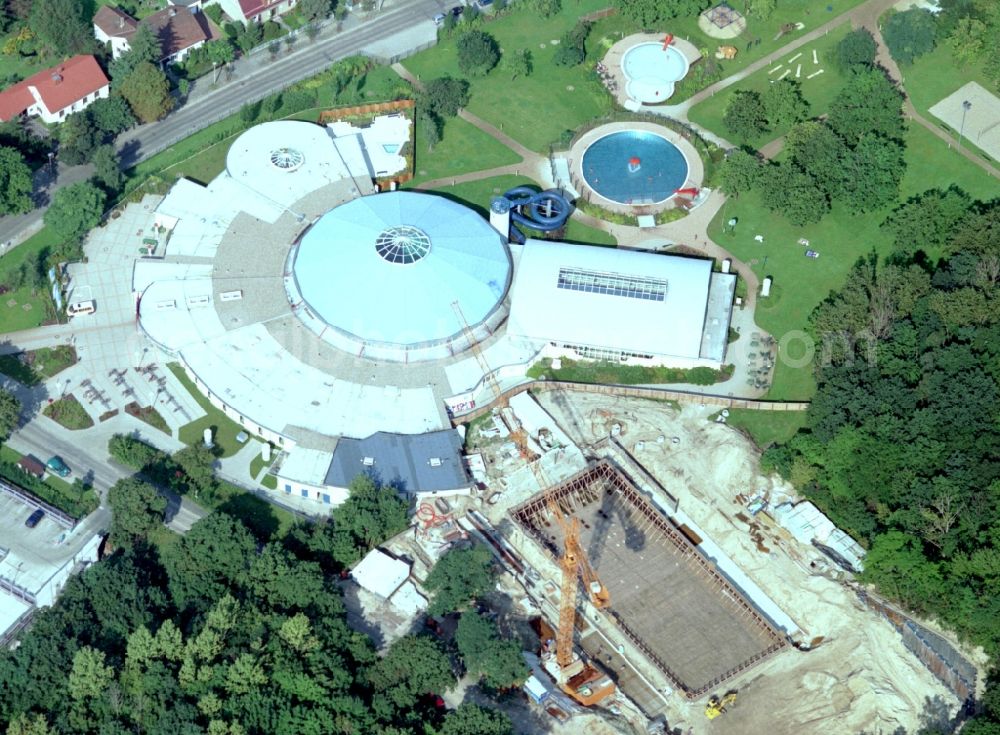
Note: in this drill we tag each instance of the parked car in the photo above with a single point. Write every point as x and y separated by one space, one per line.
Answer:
81 307
57 466
485 3
35 518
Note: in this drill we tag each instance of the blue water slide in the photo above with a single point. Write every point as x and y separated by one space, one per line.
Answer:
537 210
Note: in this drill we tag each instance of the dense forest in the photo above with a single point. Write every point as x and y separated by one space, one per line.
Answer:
901 445
226 633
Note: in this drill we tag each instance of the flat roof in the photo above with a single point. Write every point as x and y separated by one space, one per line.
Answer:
669 599
626 300
414 463
380 573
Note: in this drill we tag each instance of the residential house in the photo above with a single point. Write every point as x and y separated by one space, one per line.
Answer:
54 93
180 29
255 11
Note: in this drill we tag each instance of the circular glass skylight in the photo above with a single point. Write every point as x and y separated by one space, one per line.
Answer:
402 244
287 159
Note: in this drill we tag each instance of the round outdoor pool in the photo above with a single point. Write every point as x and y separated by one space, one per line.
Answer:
634 167
651 71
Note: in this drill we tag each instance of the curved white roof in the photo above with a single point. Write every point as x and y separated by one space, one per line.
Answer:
387 269
283 161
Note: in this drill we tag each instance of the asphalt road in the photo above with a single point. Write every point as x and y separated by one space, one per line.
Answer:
254 77
95 467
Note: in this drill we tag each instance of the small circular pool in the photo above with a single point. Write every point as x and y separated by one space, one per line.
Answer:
651 71
634 167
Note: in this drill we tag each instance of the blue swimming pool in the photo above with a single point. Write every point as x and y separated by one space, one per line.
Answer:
634 167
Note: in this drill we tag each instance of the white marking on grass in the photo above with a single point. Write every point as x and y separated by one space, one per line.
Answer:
775 69
787 72
795 57
798 71
815 57
815 74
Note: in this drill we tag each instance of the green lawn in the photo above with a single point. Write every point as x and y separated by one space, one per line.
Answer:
266 520
536 109
224 429
841 238
463 148
808 12
819 91
76 499
258 463
576 231
13 314
766 427
34 366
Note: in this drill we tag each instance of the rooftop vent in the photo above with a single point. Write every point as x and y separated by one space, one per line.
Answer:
368 461
435 462
56 77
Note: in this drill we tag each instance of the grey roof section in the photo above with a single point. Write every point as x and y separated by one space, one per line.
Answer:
408 461
718 313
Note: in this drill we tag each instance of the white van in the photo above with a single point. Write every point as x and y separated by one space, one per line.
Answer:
81 307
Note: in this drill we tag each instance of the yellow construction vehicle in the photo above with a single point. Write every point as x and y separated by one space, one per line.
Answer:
718 705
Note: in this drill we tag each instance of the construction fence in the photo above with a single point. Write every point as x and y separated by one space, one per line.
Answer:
937 654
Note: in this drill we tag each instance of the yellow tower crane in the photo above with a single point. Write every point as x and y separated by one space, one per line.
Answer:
585 683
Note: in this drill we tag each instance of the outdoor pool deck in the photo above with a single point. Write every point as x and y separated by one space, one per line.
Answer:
613 61
695 172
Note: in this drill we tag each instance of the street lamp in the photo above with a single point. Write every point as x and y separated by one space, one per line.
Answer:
966 106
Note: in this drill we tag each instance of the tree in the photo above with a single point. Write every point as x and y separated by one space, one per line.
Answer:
15 182
445 96
877 168
107 170
63 26
471 719
133 453
197 462
220 52
815 148
745 115
793 193
478 53
144 47
136 509
75 210
868 103
315 9
909 34
212 557
431 125
855 50
148 93
370 515
498 662
969 40
25 724
517 63
249 36
459 577
573 46
111 115
10 413
90 675
413 666
741 172
78 138
784 104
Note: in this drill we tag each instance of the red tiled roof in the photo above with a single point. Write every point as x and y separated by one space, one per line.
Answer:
59 87
114 22
251 8
177 28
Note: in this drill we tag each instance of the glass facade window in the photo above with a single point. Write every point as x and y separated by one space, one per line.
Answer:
288 488
612 284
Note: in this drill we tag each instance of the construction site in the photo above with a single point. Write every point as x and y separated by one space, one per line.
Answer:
669 597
